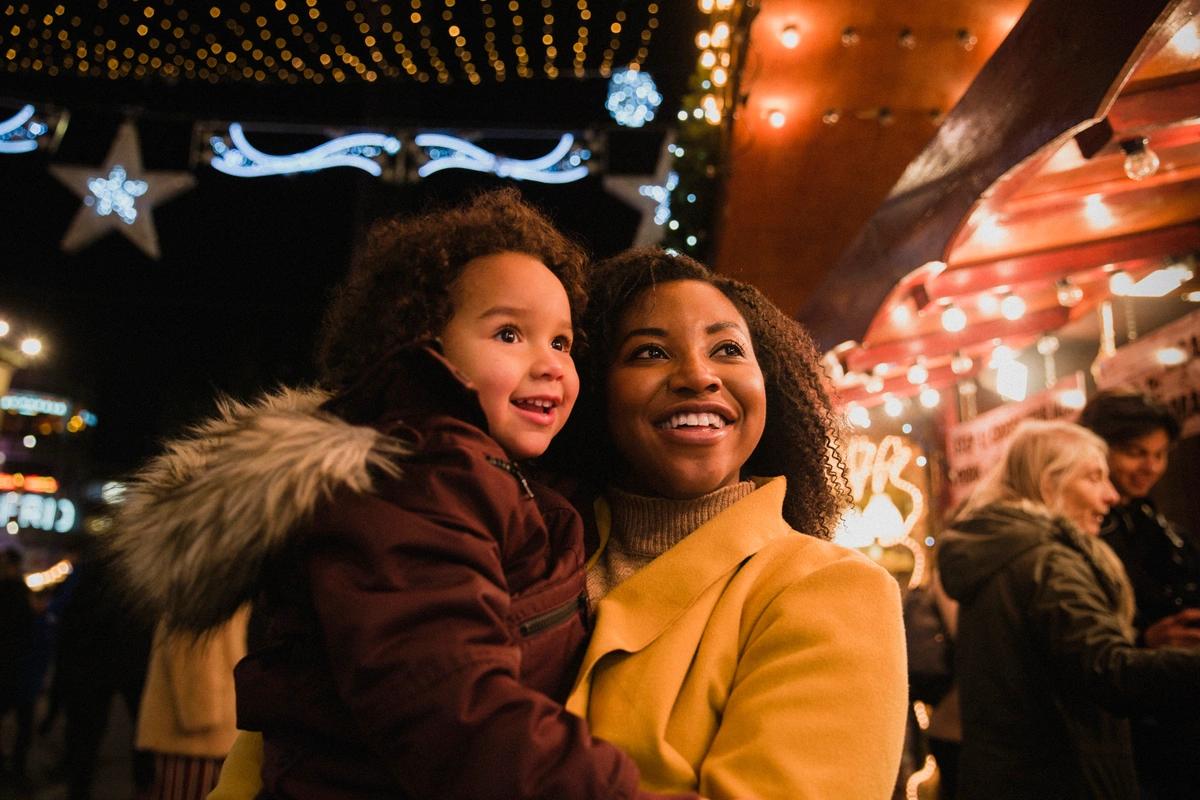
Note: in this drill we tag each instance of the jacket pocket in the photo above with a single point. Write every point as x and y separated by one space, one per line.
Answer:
555 616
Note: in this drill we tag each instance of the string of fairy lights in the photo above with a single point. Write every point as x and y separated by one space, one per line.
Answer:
318 41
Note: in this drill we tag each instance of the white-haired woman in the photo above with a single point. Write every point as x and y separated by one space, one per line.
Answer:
1045 656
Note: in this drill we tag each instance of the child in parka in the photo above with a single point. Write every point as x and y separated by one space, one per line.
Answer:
423 599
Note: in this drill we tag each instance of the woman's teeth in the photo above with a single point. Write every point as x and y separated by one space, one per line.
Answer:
703 420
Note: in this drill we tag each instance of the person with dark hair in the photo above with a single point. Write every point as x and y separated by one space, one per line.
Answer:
1163 564
423 599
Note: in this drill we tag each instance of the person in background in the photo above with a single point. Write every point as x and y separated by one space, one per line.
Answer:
1046 658
1163 564
17 628
188 714
102 650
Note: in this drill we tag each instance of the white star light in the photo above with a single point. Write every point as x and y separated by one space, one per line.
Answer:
650 194
115 194
119 195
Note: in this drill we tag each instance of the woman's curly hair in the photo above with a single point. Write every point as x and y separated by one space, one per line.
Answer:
399 287
802 437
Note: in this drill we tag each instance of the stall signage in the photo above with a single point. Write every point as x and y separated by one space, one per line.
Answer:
975 445
41 511
30 404
1137 365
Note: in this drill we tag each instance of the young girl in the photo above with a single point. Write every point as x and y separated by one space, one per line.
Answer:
423 600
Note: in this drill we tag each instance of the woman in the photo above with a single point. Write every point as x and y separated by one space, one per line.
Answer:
731 656
1045 656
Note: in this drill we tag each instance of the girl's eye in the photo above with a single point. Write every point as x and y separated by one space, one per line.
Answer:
507 334
731 349
648 351
562 343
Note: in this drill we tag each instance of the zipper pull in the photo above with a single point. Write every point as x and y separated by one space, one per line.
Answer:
512 469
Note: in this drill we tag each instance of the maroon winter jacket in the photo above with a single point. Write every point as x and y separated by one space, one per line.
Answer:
421 638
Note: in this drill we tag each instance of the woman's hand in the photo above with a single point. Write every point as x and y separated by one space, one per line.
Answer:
1177 630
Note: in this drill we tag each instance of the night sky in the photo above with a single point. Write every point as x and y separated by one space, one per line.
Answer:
235 301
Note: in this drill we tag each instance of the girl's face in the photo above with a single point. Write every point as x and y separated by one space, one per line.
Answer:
686 398
510 334
1086 495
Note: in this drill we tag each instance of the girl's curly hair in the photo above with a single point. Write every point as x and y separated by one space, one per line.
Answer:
802 437
399 287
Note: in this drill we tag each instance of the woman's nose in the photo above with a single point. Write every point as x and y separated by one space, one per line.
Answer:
694 374
1110 494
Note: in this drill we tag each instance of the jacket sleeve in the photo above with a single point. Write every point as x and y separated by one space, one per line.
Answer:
413 604
819 700
1089 650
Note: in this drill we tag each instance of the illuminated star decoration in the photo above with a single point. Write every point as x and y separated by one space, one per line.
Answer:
632 97
563 164
19 133
119 195
358 150
649 194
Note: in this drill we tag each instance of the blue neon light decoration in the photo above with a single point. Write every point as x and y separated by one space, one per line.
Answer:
632 97
358 150
662 196
560 165
115 194
19 133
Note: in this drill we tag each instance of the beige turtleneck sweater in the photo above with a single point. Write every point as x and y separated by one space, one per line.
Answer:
644 528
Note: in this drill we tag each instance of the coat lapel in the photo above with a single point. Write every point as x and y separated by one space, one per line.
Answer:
636 612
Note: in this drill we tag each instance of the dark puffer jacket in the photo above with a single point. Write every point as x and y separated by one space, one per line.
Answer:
1045 668
423 601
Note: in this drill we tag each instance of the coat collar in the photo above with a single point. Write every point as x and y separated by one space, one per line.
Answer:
638 610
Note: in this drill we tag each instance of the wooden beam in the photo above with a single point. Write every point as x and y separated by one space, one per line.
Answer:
1039 86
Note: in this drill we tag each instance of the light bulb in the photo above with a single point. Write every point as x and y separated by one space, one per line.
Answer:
789 37
1140 161
31 346
776 118
930 397
703 40
954 319
1012 307
1069 294
892 406
918 373
707 59
4 328
961 364
1170 356
858 415
1047 345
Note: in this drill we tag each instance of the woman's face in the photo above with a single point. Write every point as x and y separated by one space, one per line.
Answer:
1086 495
686 398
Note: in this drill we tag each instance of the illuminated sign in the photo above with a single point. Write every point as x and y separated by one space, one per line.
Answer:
30 405
38 484
43 512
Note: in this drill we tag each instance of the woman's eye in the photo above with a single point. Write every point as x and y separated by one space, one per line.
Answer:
562 343
732 349
508 335
648 351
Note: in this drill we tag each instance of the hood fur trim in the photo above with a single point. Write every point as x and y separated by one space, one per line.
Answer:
198 522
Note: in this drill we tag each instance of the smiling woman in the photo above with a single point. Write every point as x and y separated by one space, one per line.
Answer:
732 655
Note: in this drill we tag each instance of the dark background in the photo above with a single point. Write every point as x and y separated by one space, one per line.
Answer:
247 264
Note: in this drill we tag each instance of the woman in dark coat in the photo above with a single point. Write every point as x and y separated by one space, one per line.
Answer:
1046 657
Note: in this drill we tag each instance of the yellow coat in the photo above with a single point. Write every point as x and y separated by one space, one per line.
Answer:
188 706
748 661
752 662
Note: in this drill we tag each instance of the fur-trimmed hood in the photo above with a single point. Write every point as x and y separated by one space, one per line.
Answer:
198 522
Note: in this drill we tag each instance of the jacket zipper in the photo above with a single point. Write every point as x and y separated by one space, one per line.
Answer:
512 469
548 619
